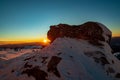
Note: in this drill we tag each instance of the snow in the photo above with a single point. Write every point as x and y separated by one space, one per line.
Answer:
10 53
79 47
77 61
117 54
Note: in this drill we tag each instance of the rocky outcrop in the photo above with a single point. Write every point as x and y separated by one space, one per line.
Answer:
68 58
91 31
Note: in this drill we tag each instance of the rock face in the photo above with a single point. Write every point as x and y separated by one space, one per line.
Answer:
91 31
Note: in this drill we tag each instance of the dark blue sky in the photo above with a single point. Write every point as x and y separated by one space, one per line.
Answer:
30 19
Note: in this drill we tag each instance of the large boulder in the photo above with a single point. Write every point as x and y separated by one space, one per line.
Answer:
94 32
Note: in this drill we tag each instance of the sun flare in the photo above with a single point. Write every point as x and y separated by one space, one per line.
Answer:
46 41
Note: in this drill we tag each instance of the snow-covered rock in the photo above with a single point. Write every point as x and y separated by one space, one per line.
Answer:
65 59
117 54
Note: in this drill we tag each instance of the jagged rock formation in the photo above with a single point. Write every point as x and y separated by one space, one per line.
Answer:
91 31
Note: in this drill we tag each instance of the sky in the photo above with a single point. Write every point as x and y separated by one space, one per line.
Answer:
23 20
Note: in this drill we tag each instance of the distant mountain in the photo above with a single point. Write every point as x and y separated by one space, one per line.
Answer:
68 57
21 45
11 42
115 44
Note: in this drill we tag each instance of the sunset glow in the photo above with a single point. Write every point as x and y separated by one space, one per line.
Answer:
45 40
29 21
116 35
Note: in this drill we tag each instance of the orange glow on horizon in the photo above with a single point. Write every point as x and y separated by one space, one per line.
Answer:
45 41
42 40
115 35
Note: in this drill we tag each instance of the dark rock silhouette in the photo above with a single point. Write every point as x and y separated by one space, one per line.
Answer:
115 44
91 31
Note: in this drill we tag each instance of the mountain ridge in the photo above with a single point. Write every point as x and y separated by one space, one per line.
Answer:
66 58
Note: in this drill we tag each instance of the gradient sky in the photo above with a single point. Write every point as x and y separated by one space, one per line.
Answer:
30 19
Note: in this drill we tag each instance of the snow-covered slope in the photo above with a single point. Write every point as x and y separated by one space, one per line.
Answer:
11 53
65 59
